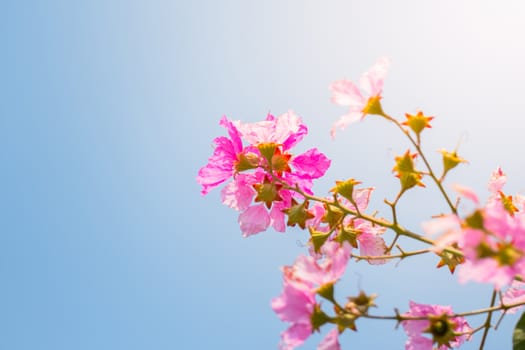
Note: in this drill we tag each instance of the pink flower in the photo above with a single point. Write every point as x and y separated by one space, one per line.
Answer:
295 305
345 93
301 283
330 341
515 294
444 330
259 169
325 271
495 253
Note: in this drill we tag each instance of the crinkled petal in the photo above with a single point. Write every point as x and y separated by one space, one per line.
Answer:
253 220
234 133
220 165
312 164
286 130
277 216
289 130
238 194
372 245
345 93
372 81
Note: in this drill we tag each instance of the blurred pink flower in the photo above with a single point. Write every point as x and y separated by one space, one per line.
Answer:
330 341
328 269
495 254
497 180
466 192
346 93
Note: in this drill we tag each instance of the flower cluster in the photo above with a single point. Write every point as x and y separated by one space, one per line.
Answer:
260 168
297 304
492 237
271 186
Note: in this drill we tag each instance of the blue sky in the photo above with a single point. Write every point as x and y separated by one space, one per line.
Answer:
109 109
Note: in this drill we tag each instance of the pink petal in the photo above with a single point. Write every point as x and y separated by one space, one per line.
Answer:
330 341
372 245
289 130
312 164
278 218
220 165
372 81
253 220
295 336
345 93
234 133
238 194
497 180
353 116
466 192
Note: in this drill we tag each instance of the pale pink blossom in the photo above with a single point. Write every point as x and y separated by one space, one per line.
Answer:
466 192
346 93
301 282
513 295
495 254
253 220
361 197
238 194
447 228
319 272
372 244
497 180
286 130
277 215
419 339
330 341
486 270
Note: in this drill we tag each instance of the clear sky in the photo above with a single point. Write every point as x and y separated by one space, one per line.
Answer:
108 109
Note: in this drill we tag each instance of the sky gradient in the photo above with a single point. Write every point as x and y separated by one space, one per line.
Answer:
109 109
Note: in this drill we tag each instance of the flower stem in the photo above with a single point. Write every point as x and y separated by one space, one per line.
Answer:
431 173
487 320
